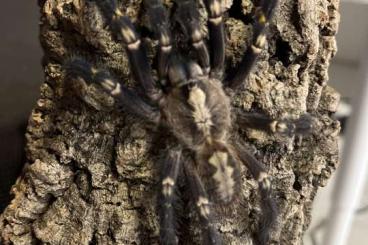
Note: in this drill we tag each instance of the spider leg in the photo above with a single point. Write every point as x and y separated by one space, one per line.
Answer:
302 126
263 15
268 205
136 53
188 17
203 205
127 99
216 36
158 20
170 171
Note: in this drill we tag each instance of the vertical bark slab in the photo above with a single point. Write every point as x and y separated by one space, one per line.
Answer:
92 173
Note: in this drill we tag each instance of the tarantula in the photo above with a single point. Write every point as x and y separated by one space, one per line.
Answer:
192 101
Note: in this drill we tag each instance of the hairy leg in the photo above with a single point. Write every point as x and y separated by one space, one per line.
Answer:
263 15
302 126
159 23
216 36
188 16
211 236
268 205
170 171
122 26
80 69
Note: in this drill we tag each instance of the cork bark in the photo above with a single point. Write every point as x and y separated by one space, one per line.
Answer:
92 172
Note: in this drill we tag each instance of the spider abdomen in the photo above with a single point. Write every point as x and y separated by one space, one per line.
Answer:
220 170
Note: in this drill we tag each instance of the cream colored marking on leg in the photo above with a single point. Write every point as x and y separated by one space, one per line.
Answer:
198 44
258 46
223 175
165 42
113 88
195 70
166 48
281 127
278 127
165 39
196 35
273 126
167 186
128 35
215 8
108 84
135 45
201 114
261 41
262 175
203 205
118 13
256 50
93 70
216 20
117 89
264 180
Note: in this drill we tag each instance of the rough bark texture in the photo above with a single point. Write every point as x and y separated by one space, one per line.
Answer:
92 174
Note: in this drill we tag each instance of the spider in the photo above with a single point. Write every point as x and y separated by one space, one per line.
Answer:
192 100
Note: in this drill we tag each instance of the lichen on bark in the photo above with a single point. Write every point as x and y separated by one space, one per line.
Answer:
91 176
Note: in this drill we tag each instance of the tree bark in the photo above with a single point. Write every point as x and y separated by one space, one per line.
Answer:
92 172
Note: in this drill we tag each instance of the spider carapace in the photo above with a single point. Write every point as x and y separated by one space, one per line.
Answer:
189 99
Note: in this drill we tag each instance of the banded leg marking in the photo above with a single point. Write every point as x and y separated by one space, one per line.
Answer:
263 14
160 26
127 99
268 205
301 126
170 171
188 17
216 36
136 53
211 236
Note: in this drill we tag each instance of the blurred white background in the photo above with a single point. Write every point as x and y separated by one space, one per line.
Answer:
345 76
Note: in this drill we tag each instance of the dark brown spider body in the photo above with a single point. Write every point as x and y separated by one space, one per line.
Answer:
198 113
